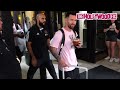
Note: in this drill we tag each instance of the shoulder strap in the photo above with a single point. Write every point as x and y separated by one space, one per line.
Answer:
62 41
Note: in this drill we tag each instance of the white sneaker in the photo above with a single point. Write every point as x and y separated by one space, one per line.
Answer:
111 59
117 60
107 58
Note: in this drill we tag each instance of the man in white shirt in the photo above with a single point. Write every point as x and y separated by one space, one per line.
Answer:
19 40
67 57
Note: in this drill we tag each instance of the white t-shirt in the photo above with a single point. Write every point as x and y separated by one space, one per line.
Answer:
68 51
14 32
18 41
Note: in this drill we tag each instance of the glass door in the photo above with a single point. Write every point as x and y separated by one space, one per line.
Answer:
83 30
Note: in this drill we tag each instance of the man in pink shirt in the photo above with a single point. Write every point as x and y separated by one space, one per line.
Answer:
67 57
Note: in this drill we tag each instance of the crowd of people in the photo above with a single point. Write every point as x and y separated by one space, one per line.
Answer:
37 42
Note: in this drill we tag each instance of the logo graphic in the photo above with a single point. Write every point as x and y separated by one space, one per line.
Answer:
96 16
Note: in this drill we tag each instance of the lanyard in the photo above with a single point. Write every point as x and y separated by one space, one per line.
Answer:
5 45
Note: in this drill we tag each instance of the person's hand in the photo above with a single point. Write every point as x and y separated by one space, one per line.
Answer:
34 61
105 30
79 45
62 62
110 26
21 35
76 42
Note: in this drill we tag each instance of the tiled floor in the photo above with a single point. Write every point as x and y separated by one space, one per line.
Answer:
113 65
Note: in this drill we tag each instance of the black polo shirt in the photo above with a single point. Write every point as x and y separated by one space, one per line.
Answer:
39 43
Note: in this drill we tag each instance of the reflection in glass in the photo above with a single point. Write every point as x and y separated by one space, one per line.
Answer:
100 36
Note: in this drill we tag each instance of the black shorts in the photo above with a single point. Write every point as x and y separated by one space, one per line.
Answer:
111 38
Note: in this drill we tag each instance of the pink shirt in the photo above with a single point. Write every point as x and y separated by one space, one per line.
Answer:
68 50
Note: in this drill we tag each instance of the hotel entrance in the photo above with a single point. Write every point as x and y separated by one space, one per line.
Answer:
94 38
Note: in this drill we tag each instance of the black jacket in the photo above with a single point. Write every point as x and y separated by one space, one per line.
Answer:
9 66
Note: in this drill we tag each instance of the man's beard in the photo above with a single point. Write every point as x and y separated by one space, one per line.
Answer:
71 27
41 24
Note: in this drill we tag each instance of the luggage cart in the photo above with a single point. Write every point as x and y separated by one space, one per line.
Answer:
79 67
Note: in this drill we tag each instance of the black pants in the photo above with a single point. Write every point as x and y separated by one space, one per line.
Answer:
42 68
18 53
11 76
12 70
74 74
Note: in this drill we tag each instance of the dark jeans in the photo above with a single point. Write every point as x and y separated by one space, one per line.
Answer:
42 68
74 74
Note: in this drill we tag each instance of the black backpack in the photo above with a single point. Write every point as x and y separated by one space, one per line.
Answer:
63 39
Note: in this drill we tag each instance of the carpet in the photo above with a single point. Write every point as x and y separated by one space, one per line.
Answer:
101 72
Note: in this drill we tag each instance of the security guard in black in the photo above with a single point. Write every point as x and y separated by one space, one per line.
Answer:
39 37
